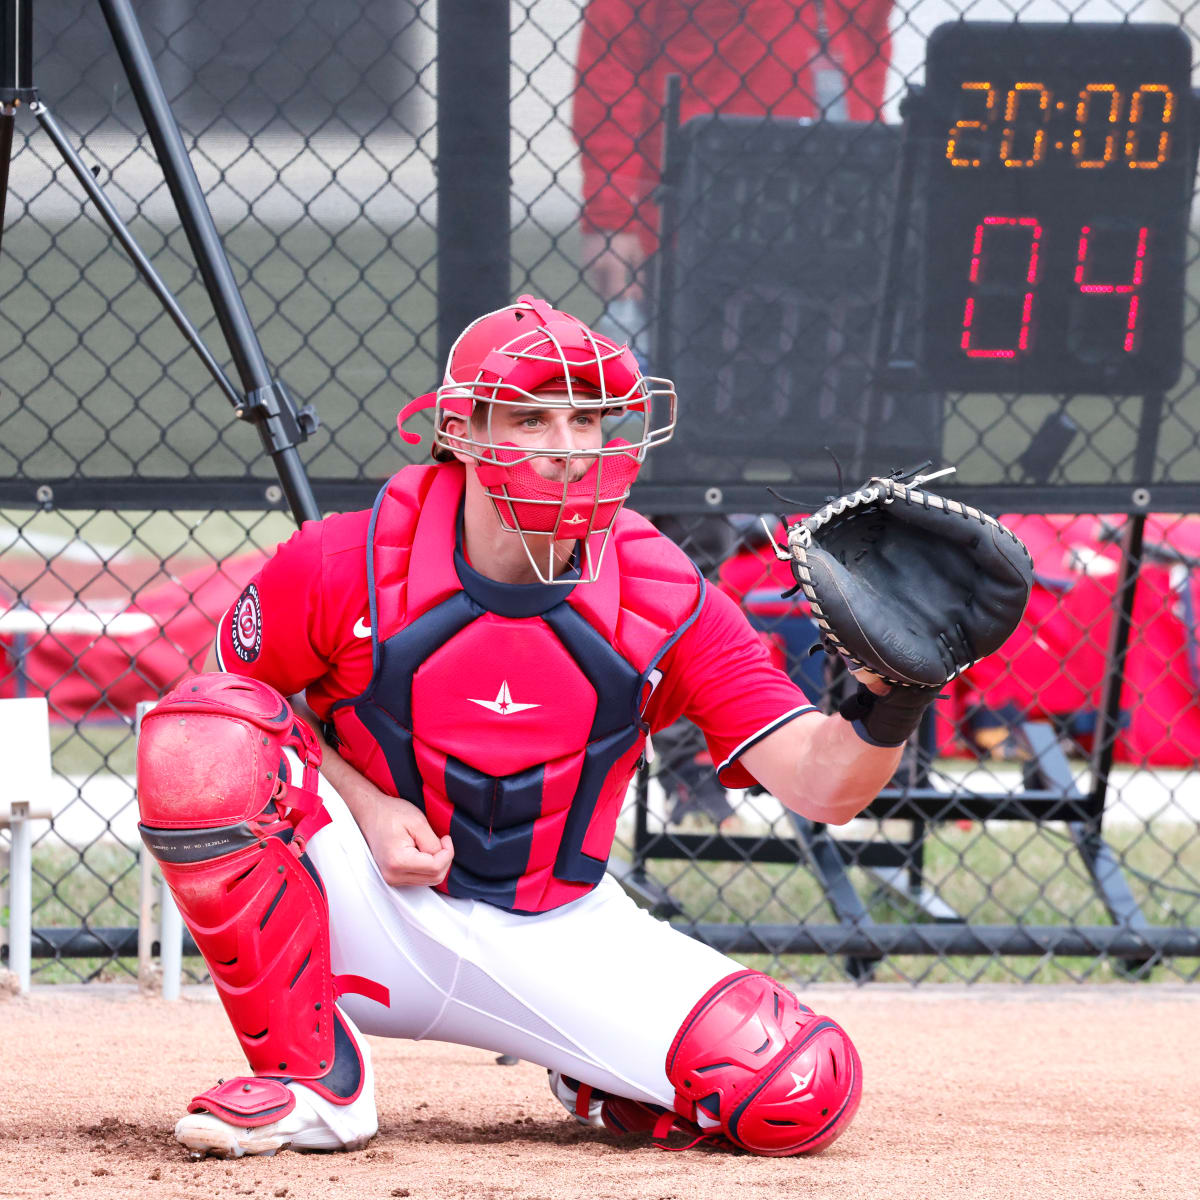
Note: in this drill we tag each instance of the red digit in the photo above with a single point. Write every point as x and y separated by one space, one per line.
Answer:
1130 289
1031 278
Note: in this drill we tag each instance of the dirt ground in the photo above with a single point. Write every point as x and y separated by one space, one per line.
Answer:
982 1092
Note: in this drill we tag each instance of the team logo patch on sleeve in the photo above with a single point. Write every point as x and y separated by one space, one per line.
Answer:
246 633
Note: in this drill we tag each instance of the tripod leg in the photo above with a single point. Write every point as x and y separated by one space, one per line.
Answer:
7 120
140 261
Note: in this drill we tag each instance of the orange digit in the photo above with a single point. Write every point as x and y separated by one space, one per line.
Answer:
962 128
1011 108
1133 134
1083 111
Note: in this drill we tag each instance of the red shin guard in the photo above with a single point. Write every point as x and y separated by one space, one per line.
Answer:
228 830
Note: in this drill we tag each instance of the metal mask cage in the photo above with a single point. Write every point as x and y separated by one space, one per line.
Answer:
651 404
646 399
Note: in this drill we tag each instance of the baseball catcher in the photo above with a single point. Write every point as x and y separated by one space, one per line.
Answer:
421 851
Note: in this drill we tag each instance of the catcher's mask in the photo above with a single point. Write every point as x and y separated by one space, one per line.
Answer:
530 355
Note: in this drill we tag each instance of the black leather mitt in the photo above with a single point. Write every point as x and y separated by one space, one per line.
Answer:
910 586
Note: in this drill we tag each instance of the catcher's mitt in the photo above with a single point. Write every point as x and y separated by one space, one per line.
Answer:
910 585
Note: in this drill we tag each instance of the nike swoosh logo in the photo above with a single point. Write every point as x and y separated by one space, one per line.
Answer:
361 629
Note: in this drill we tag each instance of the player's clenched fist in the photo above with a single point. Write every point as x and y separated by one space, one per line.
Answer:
401 840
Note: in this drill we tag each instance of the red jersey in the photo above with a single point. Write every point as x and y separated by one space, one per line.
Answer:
303 624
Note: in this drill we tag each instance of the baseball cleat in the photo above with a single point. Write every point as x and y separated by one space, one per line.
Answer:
205 1135
566 1091
304 1121
617 1114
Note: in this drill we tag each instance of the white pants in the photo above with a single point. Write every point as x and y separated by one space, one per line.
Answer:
596 989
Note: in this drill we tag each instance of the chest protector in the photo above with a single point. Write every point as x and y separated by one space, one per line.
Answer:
512 715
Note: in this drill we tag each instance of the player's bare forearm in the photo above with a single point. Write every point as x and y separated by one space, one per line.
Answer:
819 767
841 774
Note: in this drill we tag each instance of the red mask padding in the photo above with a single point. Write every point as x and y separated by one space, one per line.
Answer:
534 504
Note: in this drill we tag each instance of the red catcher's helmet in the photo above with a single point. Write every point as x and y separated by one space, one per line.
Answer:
514 356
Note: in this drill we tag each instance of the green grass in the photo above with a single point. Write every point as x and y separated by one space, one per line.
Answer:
990 874
87 749
109 388
347 318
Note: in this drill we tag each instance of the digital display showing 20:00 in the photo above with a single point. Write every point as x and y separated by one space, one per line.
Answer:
1059 165
1023 126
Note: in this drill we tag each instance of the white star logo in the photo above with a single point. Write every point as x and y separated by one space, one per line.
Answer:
503 704
575 520
801 1083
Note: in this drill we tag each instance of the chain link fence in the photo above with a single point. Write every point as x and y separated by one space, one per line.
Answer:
1044 826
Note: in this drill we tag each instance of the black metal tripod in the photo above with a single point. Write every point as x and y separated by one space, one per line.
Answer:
263 401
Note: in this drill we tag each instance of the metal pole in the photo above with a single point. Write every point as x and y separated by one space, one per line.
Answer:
883 333
1109 718
878 941
867 941
641 812
186 192
145 918
170 945
16 79
16 51
20 893
474 260
7 120
664 284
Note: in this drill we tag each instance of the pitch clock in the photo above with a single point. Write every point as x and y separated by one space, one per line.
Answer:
1058 162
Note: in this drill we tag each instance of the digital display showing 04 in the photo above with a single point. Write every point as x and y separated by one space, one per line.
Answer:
1059 162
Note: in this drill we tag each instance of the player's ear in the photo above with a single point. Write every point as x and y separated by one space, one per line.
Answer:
454 427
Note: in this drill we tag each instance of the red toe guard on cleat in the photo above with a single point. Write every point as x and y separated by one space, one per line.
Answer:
248 1101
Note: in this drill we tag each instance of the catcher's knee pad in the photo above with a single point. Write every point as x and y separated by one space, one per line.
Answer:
777 1077
228 828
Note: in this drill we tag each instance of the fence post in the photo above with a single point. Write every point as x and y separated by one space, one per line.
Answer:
170 943
25 751
146 928
473 64
170 923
